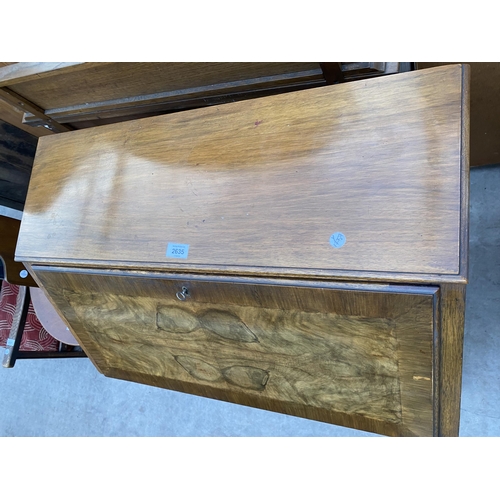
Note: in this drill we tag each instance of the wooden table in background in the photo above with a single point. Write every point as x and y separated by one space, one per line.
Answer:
62 96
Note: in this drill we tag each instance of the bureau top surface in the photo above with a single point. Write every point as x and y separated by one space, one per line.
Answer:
365 179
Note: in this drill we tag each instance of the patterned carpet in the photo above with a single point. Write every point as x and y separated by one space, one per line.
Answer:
35 337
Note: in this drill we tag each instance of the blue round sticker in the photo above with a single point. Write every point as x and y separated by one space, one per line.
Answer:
337 240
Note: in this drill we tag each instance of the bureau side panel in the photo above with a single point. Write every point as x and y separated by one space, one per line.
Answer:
357 358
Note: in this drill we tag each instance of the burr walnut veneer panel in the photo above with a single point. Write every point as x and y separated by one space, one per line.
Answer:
359 356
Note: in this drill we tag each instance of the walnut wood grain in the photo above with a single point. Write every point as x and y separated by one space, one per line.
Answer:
256 189
125 80
452 317
148 89
91 96
350 357
132 108
259 186
484 116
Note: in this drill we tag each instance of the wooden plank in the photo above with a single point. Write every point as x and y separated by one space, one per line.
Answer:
13 115
24 104
385 173
124 80
320 353
184 98
484 115
452 315
28 71
109 116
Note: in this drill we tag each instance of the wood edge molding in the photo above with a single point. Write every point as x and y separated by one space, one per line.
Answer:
465 173
319 274
253 280
436 346
451 317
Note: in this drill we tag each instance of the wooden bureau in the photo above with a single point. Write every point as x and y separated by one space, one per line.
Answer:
304 253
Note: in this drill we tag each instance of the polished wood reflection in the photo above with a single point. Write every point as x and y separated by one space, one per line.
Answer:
304 253
261 185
